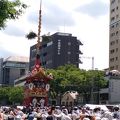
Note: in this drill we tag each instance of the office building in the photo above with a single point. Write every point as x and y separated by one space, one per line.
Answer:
57 50
12 68
114 39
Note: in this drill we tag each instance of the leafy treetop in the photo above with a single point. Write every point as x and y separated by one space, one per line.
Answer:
10 10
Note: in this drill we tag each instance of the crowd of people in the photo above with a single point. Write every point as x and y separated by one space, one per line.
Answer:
58 113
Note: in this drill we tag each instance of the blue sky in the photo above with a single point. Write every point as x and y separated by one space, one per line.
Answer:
88 20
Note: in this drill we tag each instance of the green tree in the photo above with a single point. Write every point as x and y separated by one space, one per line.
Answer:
65 78
11 94
69 77
3 93
16 95
10 10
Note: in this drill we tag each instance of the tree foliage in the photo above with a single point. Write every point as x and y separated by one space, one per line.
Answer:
16 95
68 78
11 94
10 10
31 35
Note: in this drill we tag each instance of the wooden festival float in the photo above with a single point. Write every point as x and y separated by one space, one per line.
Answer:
37 86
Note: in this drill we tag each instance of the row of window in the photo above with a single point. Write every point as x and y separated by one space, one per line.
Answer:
113 51
113 59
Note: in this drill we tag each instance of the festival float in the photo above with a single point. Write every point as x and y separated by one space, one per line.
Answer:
37 86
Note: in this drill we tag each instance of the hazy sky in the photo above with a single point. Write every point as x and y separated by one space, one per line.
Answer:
86 19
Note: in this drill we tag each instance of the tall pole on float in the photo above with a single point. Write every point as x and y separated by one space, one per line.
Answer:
39 29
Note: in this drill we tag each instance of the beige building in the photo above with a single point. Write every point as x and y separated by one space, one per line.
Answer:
114 36
69 98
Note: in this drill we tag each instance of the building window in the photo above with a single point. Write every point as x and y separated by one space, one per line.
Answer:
112 34
116 49
117 41
68 62
116 58
69 43
111 59
112 26
69 52
117 8
113 10
22 72
112 42
112 51
112 19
